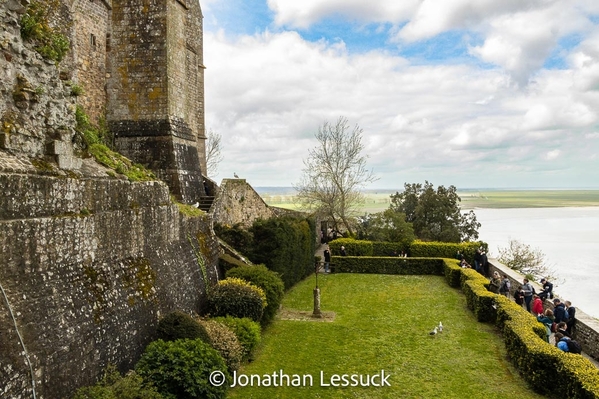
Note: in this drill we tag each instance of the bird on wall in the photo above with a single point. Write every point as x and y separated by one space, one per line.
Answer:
235 174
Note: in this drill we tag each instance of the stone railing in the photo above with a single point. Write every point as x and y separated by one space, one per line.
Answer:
587 327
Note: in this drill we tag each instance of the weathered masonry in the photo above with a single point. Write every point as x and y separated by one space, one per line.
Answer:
155 104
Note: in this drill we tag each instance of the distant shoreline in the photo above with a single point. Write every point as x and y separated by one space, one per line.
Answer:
379 200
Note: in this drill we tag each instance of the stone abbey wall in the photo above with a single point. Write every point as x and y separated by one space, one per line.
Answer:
155 102
88 266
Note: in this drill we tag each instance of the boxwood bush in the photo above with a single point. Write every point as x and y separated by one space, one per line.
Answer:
181 369
238 298
247 331
179 325
266 279
224 340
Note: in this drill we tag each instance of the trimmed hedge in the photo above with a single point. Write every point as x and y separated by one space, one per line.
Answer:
417 249
445 249
286 245
179 325
238 298
387 265
224 340
352 247
247 331
266 279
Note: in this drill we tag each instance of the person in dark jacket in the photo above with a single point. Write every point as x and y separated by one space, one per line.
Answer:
478 257
559 311
547 290
327 259
571 322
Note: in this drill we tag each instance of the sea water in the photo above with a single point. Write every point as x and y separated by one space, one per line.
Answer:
569 238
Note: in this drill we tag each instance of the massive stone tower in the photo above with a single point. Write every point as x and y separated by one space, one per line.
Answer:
155 89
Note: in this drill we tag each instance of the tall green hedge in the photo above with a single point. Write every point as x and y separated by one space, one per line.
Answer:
417 249
286 245
445 249
387 265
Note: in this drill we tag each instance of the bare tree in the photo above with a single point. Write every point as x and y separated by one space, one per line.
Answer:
526 260
334 173
213 152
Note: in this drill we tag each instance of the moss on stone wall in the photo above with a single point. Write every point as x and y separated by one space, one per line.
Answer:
140 278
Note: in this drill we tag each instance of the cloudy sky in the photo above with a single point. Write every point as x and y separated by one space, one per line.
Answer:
474 93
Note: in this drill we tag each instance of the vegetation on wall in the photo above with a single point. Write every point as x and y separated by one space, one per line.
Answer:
97 139
48 40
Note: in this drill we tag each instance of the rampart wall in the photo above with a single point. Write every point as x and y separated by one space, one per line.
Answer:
88 266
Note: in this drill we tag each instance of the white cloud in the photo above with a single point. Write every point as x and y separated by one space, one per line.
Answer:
302 14
451 124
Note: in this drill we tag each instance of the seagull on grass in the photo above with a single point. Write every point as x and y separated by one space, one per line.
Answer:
434 332
440 327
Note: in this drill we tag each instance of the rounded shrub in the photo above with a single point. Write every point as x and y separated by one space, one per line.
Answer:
181 369
179 325
266 279
247 331
113 386
224 340
238 298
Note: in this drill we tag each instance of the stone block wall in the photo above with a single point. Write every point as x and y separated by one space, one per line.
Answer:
155 103
91 25
237 202
89 265
37 112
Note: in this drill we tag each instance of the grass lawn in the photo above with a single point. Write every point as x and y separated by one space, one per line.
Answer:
382 322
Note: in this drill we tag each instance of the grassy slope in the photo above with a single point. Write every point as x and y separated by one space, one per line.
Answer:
383 322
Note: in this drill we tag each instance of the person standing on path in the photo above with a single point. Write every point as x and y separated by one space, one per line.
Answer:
327 259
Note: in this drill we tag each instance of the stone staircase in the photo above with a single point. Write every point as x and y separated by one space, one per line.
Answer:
205 202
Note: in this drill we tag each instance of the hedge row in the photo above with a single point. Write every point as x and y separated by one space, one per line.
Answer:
541 364
418 249
386 265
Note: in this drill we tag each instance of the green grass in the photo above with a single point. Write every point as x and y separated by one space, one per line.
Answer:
382 323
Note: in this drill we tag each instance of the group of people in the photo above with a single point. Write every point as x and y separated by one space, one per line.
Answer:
327 257
559 321
481 262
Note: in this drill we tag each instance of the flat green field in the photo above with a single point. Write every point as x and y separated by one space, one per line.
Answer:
377 201
381 326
